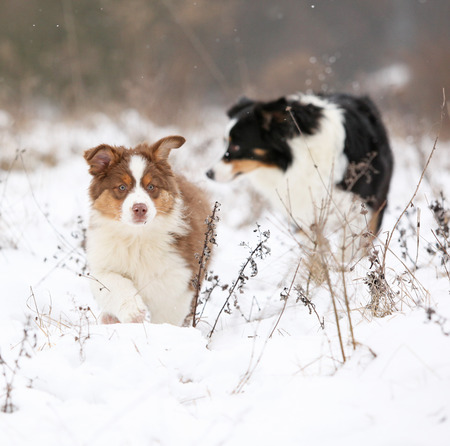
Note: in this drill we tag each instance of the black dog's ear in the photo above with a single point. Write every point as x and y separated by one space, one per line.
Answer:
242 103
269 113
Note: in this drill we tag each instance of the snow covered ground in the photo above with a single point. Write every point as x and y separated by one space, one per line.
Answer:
269 374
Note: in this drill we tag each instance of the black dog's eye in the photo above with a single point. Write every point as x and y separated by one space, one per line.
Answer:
227 155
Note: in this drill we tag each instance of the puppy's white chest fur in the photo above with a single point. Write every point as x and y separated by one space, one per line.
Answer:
147 259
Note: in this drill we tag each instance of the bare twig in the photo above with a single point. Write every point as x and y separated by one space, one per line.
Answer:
82 330
10 371
251 367
260 251
346 299
418 184
214 281
285 297
335 310
210 239
302 296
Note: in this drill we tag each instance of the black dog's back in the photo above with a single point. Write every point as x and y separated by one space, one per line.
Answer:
368 151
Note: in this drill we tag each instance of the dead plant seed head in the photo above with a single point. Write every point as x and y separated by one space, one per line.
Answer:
260 252
203 258
12 368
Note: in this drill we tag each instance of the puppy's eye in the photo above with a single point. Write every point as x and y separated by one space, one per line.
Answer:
150 187
122 187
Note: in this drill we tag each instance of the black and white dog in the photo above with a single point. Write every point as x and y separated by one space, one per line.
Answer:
306 153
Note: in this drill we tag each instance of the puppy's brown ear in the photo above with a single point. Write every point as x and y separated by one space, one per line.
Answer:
102 157
163 147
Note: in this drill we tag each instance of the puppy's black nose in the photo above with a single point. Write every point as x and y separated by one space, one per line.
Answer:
210 174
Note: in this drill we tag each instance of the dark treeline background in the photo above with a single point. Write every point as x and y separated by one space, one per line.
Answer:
164 57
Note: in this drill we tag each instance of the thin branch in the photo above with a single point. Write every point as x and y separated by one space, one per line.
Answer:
209 240
418 184
241 276
333 300
286 298
346 299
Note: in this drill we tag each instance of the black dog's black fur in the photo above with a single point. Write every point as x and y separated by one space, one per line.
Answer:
367 150
269 126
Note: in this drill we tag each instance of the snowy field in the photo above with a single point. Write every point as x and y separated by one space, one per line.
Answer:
269 373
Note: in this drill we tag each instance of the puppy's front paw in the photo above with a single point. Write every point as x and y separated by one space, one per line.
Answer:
141 317
134 311
107 318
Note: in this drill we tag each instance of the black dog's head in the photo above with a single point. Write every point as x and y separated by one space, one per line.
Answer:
258 137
